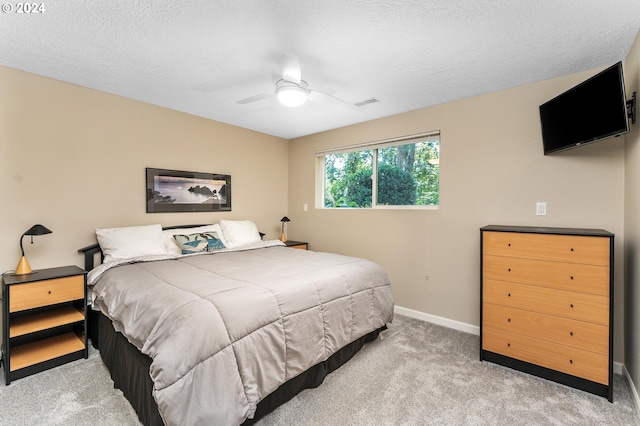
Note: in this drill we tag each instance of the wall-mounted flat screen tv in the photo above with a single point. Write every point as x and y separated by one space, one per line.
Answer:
593 110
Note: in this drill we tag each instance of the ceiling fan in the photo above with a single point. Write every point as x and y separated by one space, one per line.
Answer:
291 90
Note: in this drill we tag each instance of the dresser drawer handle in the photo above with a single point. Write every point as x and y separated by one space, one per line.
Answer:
509 269
508 294
508 319
571 248
49 291
571 277
570 361
571 333
508 345
571 305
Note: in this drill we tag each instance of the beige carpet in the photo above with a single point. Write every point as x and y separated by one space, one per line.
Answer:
416 373
79 393
419 373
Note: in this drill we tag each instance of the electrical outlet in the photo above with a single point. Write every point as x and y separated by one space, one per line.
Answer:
541 208
305 207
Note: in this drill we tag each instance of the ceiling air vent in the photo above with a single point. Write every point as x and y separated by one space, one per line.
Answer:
367 102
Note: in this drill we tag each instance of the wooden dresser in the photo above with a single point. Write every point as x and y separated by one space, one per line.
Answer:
546 303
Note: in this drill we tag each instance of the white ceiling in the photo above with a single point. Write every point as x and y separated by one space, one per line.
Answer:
201 56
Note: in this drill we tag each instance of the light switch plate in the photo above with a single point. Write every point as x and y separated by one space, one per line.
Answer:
541 208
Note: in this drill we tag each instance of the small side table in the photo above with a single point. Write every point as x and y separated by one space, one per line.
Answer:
43 320
297 245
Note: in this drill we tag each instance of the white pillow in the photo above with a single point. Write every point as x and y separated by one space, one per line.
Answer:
239 232
131 241
172 246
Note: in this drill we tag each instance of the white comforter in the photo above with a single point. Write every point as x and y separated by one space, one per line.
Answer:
226 329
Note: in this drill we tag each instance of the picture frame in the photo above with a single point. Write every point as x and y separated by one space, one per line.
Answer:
170 191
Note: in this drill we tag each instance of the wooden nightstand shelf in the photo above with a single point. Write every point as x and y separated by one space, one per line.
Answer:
44 322
297 245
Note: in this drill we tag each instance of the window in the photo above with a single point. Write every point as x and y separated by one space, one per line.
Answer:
398 173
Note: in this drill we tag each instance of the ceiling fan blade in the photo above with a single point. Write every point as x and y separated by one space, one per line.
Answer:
318 96
255 98
291 70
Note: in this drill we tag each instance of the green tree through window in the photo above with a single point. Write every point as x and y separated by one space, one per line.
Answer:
393 173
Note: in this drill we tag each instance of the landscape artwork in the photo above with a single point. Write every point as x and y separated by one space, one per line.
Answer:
181 191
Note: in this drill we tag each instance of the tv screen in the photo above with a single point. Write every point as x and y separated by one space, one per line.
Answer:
593 110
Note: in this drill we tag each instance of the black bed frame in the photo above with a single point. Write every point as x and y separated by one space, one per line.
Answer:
129 368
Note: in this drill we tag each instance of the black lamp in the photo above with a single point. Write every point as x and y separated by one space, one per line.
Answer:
23 266
283 237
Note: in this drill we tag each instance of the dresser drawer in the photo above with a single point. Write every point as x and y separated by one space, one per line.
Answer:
561 248
565 276
577 362
567 304
46 292
578 334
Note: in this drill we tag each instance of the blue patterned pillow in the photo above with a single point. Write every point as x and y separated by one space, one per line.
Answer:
196 243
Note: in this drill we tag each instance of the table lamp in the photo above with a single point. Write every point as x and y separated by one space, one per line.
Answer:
283 237
23 266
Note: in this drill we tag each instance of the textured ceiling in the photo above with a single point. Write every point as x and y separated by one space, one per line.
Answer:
201 56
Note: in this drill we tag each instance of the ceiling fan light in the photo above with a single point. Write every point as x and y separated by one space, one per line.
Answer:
292 96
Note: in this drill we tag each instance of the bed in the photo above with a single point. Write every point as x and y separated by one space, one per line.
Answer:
225 334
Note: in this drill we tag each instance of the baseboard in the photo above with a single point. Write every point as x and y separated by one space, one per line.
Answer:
632 387
445 322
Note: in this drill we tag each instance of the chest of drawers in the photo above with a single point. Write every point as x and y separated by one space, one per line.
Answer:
547 303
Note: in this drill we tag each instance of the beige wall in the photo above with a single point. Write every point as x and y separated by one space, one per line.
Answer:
74 160
632 225
493 171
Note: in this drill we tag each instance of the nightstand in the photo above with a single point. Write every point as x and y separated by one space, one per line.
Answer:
43 320
297 245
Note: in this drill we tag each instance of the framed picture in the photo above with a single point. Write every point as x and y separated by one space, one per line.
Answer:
178 191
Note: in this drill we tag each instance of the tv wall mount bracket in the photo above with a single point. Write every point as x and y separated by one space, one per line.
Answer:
631 108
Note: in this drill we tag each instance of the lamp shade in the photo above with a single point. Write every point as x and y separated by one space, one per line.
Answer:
292 94
23 266
285 219
37 230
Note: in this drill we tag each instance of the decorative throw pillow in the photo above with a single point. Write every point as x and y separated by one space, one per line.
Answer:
172 245
199 242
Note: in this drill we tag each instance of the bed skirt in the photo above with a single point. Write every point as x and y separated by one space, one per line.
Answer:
129 370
